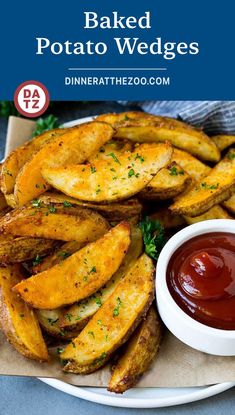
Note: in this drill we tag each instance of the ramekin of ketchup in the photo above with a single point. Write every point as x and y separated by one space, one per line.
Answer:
195 286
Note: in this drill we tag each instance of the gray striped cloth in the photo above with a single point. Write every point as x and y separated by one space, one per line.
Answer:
215 117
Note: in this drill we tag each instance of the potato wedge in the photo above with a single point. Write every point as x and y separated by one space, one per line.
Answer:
139 353
110 180
17 158
18 321
49 321
150 128
13 250
223 141
77 315
75 146
115 321
230 204
57 256
167 219
216 212
195 168
168 183
112 211
80 275
54 222
216 187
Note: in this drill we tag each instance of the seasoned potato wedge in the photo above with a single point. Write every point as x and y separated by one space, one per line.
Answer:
13 250
151 128
216 212
112 211
49 321
18 157
75 146
57 256
80 275
139 353
223 141
230 204
195 168
77 315
167 219
17 320
110 180
115 321
54 222
216 187
168 183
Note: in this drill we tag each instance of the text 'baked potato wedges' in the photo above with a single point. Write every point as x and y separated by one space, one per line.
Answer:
77 315
111 211
17 320
20 249
75 146
149 129
80 275
110 180
139 353
54 222
115 321
18 157
223 141
49 321
216 187
168 183
216 212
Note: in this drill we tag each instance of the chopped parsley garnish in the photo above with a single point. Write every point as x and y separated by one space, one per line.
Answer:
36 203
114 157
174 171
98 191
126 118
140 158
45 124
52 209
231 155
131 173
67 204
99 322
59 350
100 359
63 254
37 260
153 236
117 308
93 169
204 185
91 333
68 316
93 269
98 302
78 318
52 321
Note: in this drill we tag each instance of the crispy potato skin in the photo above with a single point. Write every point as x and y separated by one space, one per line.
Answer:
166 185
223 141
116 179
13 250
216 212
18 321
77 315
117 318
54 222
18 157
112 211
75 146
80 275
211 190
150 128
139 353
49 321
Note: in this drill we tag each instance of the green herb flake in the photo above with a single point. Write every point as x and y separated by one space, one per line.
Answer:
36 203
93 269
126 118
68 316
98 302
37 260
63 254
114 157
140 158
204 185
52 209
52 321
67 204
153 236
78 318
59 350
91 334
131 173
99 322
93 169
45 124
117 308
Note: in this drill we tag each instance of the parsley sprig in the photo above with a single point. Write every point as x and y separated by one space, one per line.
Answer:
45 124
153 236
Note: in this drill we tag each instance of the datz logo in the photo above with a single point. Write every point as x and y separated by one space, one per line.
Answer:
168 50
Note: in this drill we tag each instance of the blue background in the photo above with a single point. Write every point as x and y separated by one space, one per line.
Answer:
209 75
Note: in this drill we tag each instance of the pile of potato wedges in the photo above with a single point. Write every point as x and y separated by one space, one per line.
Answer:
72 260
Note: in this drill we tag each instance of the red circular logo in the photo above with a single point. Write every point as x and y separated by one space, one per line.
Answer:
31 99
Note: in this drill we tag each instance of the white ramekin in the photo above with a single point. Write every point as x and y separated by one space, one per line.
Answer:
195 334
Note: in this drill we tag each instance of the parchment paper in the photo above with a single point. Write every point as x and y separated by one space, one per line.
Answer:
176 365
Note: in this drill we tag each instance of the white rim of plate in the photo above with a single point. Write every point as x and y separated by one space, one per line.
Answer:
90 395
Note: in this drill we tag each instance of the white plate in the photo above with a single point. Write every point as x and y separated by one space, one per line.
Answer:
137 397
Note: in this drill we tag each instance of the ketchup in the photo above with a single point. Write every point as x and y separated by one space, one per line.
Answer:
201 279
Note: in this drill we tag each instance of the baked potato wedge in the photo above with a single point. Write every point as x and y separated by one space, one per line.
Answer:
18 157
167 219
49 321
223 141
54 222
79 275
111 211
77 315
168 183
75 146
216 187
110 180
151 128
216 212
230 204
139 353
13 250
18 322
114 322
